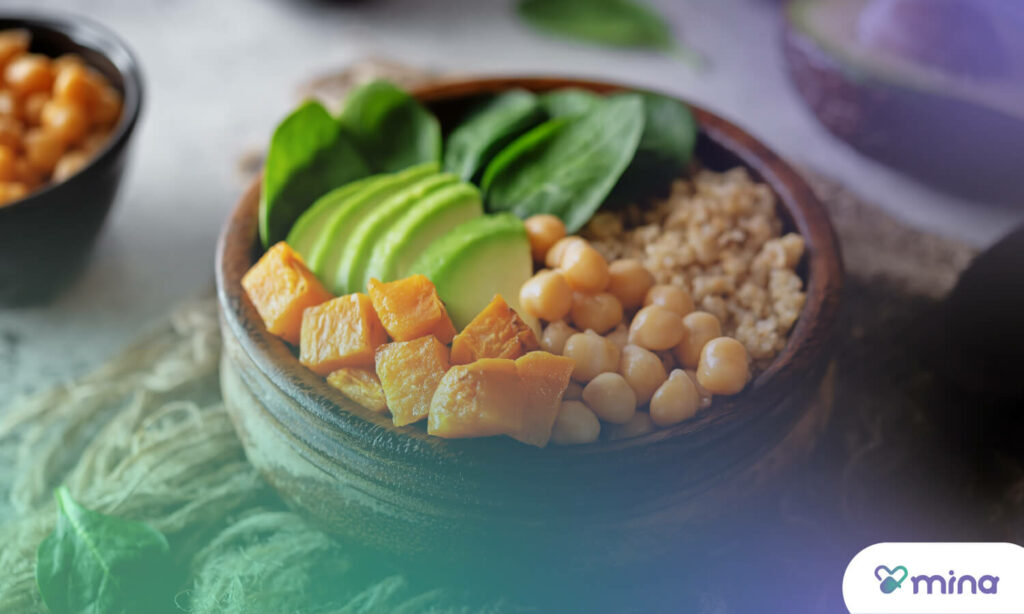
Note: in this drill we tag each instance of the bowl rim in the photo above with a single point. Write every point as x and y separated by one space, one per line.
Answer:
804 351
86 32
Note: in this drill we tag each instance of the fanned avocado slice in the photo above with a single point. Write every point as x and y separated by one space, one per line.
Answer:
396 250
325 258
350 274
934 88
485 256
309 227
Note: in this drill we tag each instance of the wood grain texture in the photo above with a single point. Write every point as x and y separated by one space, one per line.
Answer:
406 492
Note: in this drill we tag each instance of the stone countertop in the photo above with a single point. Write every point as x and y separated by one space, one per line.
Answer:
220 74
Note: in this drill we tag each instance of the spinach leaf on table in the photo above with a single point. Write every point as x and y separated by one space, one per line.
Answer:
390 128
618 23
495 124
93 563
570 171
309 155
666 146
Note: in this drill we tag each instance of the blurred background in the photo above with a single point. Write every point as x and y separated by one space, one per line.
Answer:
219 75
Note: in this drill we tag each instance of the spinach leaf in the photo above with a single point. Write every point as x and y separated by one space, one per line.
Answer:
568 101
94 563
617 23
308 156
495 124
666 146
391 128
570 172
521 146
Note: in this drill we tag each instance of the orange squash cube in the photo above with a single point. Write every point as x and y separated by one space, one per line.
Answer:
544 378
360 385
410 371
343 332
281 288
481 399
410 308
495 332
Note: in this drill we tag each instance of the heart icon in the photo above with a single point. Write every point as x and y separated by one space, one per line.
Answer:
889 583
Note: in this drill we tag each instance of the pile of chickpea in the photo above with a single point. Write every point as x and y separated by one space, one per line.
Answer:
635 343
55 114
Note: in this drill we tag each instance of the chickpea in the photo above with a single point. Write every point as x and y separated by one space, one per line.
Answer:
668 360
573 392
675 401
28 174
705 396
656 328
553 259
724 366
74 83
94 142
29 73
555 335
619 336
584 268
701 327
610 397
593 355
8 164
575 424
11 191
106 108
546 295
32 107
629 281
12 44
11 132
42 149
643 370
69 164
9 104
639 424
670 297
66 120
543 230
600 312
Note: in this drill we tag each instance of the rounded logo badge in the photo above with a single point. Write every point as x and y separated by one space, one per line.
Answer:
939 578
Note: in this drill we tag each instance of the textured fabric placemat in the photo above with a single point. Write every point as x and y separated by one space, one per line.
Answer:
146 437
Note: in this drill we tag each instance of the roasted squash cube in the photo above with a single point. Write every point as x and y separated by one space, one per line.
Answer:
281 288
495 332
360 385
410 308
410 371
481 399
544 378
343 332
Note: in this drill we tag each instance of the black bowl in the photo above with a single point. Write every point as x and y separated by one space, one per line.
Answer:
46 237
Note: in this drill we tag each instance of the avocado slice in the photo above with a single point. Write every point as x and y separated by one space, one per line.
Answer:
309 227
485 256
934 88
350 275
411 234
325 255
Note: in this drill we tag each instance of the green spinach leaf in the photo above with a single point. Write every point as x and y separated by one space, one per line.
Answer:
520 147
568 101
666 146
309 155
391 129
617 23
93 563
570 171
495 124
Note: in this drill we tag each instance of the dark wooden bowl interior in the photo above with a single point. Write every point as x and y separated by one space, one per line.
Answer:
481 473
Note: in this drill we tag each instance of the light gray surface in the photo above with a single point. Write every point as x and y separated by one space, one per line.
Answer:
221 72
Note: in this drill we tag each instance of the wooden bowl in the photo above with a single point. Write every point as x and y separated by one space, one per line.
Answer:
608 503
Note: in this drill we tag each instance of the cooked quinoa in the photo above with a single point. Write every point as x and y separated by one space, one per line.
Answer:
717 235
